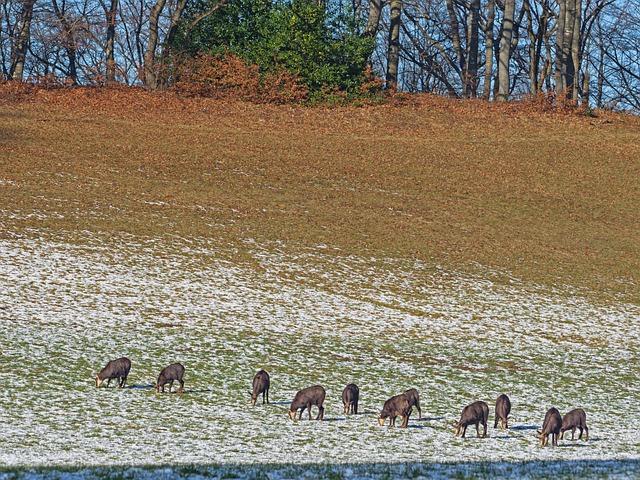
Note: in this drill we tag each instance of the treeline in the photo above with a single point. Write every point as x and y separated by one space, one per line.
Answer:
584 51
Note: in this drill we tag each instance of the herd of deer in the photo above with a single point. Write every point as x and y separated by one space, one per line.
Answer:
477 413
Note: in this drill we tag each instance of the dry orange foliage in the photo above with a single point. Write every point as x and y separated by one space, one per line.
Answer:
230 77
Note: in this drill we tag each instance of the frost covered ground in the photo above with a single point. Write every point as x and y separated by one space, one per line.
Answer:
307 316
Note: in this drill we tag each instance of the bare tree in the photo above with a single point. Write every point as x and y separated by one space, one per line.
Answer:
373 20
489 39
67 34
505 50
455 37
110 12
471 67
393 57
150 67
21 41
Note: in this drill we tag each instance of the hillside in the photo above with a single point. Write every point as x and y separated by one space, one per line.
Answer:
461 249
544 197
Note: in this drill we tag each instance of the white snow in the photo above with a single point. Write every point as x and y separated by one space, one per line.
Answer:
307 316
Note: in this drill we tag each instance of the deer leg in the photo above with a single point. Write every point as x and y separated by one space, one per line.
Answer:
405 421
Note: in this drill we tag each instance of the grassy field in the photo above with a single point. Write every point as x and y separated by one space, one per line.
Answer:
395 246
549 198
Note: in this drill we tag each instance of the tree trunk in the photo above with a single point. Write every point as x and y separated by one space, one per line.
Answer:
393 56
166 45
173 25
496 60
375 11
600 87
576 45
505 50
488 58
150 67
69 42
471 70
540 38
533 58
21 45
561 62
455 38
110 74
71 55
586 88
567 47
548 59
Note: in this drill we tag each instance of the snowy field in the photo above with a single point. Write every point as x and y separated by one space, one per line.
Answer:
307 316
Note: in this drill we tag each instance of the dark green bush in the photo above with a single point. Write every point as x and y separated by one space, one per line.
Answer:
323 49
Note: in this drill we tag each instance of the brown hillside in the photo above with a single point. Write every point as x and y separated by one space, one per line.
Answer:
549 197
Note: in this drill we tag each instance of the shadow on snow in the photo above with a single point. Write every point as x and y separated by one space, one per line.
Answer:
627 468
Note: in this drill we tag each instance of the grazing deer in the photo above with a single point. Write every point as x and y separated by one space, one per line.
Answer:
503 407
350 398
576 418
305 399
115 369
475 413
173 372
261 383
397 406
551 426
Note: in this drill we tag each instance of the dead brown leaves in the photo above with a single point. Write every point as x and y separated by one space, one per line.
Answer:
231 78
